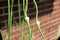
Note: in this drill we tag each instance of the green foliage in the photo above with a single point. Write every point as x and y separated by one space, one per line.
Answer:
24 19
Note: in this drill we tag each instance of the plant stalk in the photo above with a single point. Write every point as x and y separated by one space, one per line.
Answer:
25 8
10 18
1 34
37 22
19 10
9 21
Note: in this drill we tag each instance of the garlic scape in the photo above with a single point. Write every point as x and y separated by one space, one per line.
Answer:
21 25
25 8
38 22
10 18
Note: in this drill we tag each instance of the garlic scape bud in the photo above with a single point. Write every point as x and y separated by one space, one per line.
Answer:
25 8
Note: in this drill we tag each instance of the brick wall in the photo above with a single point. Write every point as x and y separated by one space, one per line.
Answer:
49 13
45 7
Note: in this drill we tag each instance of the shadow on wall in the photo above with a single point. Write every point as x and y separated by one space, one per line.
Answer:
44 6
47 7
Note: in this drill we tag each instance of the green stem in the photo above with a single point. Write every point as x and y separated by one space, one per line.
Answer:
43 37
36 10
22 23
9 22
11 12
22 29
37 22
1 34
25 8
23 4
10 18
30 31
19 9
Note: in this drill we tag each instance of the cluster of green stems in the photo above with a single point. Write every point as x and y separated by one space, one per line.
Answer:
25 19
10 10
25 8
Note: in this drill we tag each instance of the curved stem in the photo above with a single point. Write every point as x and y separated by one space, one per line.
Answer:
36 10
37 22
25 8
